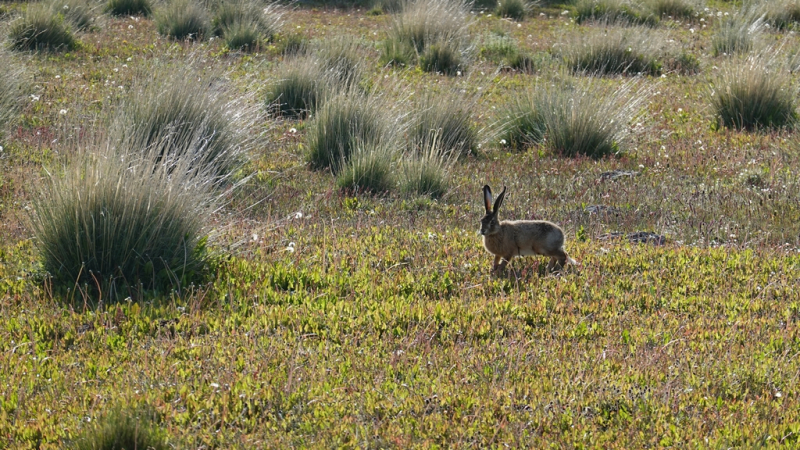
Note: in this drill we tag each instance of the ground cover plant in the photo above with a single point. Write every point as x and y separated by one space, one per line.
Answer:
336 312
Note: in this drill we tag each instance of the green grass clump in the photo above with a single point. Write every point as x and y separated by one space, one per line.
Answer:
11 80
122 429
498 49
345 121
245 24
441 58
437 30
734 35
781 14
369 168
299 90
41 28
172 111
342 59
396 52
512 9
677 9
586 121
751 95
129 7
123 221
613 11
80 14
619 52
183 19
426 172
293 44
444 122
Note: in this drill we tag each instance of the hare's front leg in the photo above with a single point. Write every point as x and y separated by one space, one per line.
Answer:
496 264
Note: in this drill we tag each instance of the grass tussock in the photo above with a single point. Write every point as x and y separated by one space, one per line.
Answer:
80 14
12 78
123 428
575 121
436 31
613 52
512 9
368 168
426 171
676 9
300 88
347 120
614 11
444 122
246 24
342 59
129 7
753 95
170 112
122 220
183 20
41 28
736 34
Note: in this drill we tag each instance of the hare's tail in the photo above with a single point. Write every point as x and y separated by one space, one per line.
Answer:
572 261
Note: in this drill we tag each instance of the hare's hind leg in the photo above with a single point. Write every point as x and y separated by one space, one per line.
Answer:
500 263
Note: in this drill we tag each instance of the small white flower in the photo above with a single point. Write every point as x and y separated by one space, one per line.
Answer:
214 385
34 97
298 215
128 59
1 148
290 247
293 130
62 112
503 141
58 76
255 237
130 27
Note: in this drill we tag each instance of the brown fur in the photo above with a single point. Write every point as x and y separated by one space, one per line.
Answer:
511 238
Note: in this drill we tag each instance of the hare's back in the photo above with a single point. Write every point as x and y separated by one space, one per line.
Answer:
541 235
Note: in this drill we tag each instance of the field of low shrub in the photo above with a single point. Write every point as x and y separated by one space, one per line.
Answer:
237 224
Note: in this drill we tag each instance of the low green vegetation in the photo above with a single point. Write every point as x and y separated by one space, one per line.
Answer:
269 239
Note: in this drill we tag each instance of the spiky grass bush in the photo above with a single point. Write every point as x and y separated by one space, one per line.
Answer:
512 9
293 44
80 14
300 88
122 220
129 7
498 49
183 19
121 428
677 9
369 168
754 94
41 28
444 122
576 121
422 24
614 11
396 52
267 18
736 34
11 81
342 58
168 109
627 52
345 121
243 36
781 14
426 172
442 57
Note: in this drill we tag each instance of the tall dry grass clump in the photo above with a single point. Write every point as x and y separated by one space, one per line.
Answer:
80 14
184 19
433 31
754 94
615 51
736 34
12 78
426 171
676 9
368 168
123 220
347 120
622 12
300 88
444 122
512 9
781 14
168 109
41 28
246 24
587 120
129 7
342 58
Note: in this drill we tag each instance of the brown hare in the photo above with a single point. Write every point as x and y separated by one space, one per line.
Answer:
511 238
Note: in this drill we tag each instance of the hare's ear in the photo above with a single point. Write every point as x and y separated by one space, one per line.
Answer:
499 200
487 198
